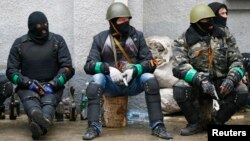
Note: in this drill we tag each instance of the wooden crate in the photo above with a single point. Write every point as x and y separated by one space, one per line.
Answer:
115 111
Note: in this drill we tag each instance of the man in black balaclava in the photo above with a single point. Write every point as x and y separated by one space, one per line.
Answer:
221 13
38 27
39 63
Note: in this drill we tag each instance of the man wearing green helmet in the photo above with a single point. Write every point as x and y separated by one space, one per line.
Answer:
206 65
122 64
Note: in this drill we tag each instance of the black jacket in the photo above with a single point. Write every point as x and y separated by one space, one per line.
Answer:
39 62
97 54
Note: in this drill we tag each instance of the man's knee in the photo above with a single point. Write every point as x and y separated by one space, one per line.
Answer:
151 86
241 95
99 79
181 91
93 91
6 90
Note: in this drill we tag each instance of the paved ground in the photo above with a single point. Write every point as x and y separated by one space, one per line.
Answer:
18 130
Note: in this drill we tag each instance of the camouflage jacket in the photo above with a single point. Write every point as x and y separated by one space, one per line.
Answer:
217 53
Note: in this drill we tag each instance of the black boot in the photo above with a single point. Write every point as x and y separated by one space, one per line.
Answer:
161 132
38 117
91 133
191 129
35 130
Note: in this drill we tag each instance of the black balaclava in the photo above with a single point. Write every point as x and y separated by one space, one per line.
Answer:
219 20
38 27
119 29
203 28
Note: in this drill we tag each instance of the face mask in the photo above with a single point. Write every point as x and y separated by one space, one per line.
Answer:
219 20
38 27
40 30
123 28
206 27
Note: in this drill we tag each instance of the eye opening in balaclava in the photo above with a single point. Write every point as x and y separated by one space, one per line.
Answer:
119 29
219 20
38 27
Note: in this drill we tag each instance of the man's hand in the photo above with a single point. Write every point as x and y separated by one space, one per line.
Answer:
36 87
227 86
48 88
128 74
244 79
207 87
115 75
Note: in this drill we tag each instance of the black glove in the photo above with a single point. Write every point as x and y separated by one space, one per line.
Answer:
105 68
36 87
24 82
234 76
54 84
48 88
201 79
207 87
227 86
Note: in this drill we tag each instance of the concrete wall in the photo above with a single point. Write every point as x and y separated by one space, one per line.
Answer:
79 20
171 18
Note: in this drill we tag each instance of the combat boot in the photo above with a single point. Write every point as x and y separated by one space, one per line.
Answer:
38 117
35 130
91 133
191 129
161 132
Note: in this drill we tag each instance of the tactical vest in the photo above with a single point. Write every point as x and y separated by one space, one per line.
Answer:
122 63
39 62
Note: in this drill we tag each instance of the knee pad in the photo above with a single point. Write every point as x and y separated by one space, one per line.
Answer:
93 91
241 95
181 91
6 90
151 86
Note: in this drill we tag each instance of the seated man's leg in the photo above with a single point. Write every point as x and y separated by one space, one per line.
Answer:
48 104
94 92
182 94
231 103
153 101
6 90
31 104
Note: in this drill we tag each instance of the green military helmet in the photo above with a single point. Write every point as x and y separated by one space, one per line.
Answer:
200 11
117 9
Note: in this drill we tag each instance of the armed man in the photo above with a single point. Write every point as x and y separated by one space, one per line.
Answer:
205 62
121 64
39 63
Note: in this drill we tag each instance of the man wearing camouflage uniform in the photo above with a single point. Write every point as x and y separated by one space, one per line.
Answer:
119 56
221 13
205 63
39 63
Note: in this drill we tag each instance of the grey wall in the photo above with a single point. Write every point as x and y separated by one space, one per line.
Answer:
171 18
79 20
